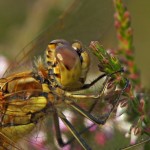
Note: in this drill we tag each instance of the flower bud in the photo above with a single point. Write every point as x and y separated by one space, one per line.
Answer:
135 133
122 107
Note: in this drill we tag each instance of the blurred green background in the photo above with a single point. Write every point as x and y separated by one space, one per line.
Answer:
22 21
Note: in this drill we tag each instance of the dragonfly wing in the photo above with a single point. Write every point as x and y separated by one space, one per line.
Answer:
83 20
17 117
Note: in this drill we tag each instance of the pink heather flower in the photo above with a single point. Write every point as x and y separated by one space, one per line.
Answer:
88 123
122 124
127 135
127 14
62 126
67 147
100 138
4 65
65 139
108 128
69 115
38 140
134 135
122 108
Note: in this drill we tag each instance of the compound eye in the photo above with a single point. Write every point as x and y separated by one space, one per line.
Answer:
67 56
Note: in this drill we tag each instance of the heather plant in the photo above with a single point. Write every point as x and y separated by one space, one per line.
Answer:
135 101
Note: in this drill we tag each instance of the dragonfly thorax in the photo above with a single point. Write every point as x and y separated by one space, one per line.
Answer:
68 63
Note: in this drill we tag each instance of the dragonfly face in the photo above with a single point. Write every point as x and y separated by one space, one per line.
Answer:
68 63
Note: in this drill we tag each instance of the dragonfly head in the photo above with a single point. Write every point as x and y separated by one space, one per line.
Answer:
68 62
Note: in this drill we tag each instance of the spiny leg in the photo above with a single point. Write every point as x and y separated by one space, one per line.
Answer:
56 121
91 109
101 95
86 86
87 114
59 139
84 130
104 117
83 96
77 135
97 100
68 94
58 131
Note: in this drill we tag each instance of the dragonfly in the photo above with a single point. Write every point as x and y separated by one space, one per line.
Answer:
28 96
29 93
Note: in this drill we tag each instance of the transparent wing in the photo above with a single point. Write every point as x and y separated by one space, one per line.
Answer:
83 20
17 124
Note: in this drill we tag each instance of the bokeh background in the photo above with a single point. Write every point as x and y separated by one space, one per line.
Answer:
22 21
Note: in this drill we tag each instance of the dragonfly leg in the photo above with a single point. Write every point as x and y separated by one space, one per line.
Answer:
59 139
71 128
103 88
68 94
76 134
84 96
86 86
87 114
